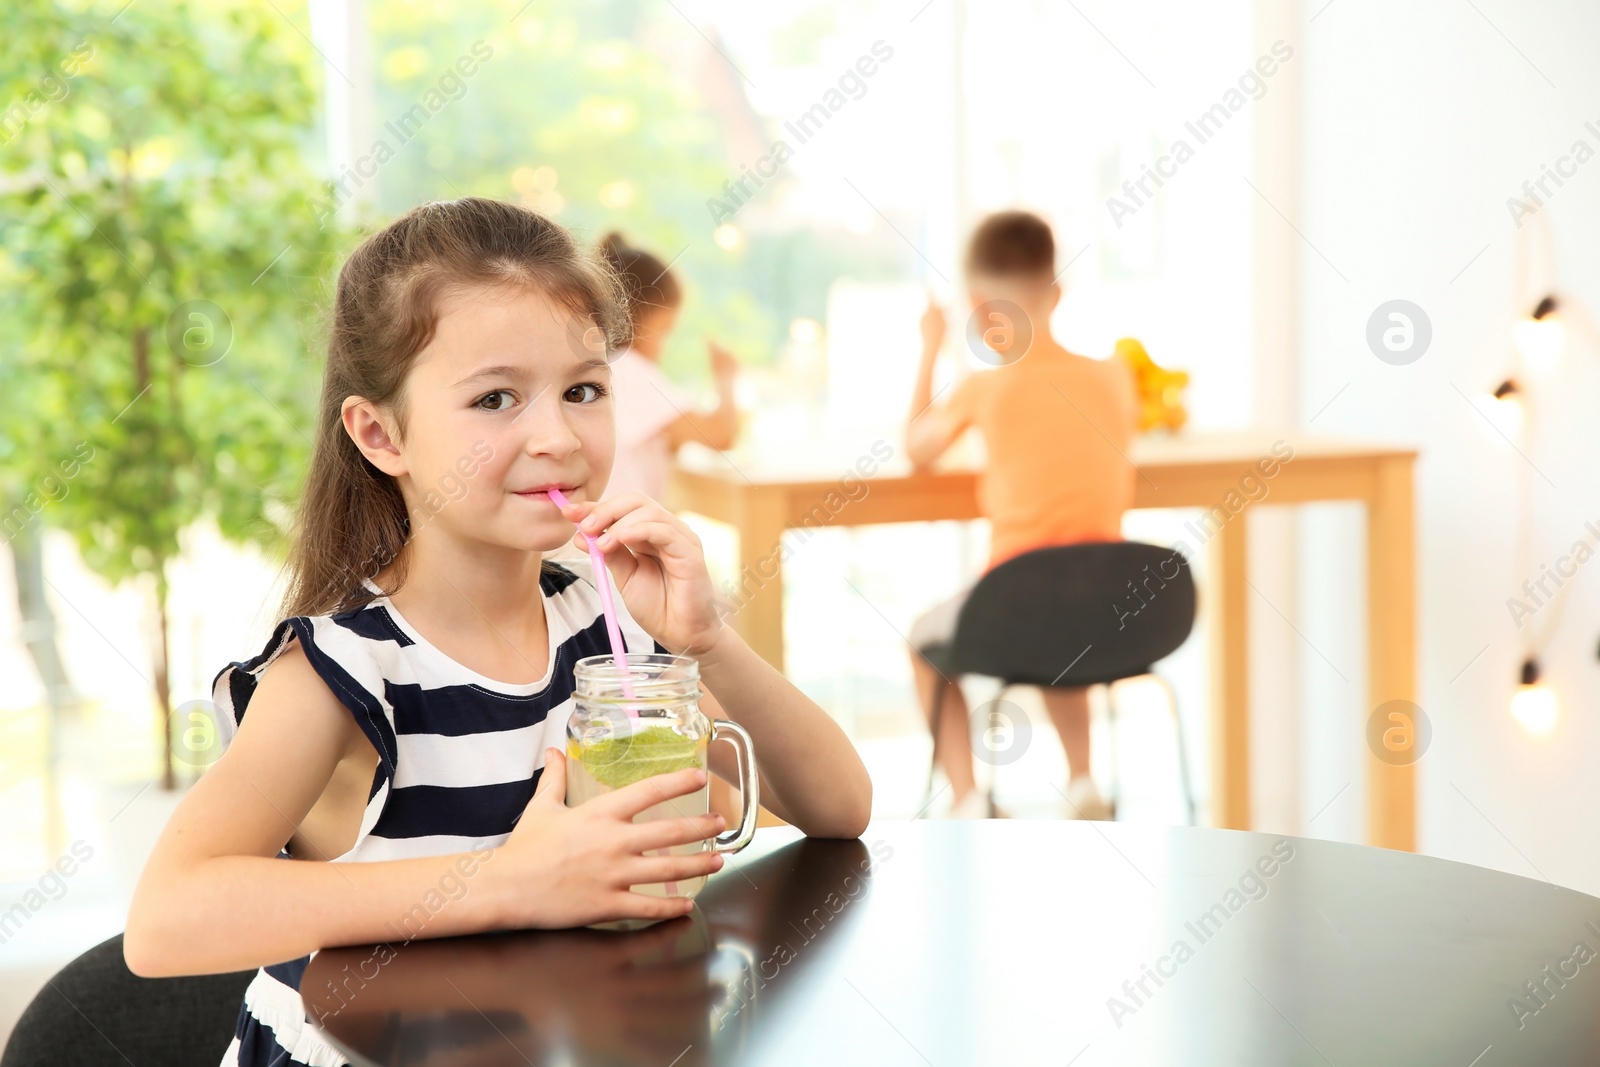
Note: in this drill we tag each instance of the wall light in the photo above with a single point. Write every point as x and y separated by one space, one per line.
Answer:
1541 338
1505 408
1533 705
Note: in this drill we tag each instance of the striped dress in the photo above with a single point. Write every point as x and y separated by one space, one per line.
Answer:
456 753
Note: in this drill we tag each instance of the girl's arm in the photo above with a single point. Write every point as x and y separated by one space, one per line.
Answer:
214 897
811 775
719 427
816 779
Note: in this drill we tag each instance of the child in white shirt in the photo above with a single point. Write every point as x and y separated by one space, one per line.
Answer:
654 417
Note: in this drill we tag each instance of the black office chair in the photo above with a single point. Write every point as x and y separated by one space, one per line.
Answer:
97 1013
1074 615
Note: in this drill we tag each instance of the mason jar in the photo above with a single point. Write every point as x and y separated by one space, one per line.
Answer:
633 722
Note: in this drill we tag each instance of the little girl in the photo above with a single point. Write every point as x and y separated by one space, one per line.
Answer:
654 418
400 772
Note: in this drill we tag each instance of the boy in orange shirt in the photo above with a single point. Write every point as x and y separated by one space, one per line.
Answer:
1057 428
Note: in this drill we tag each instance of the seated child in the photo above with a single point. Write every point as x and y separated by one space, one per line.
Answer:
1056 429
654 418
406 720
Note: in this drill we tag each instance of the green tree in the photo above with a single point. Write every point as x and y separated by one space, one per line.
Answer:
578 117
586 113
161 254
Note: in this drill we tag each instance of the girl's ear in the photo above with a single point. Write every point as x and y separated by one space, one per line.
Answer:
369 429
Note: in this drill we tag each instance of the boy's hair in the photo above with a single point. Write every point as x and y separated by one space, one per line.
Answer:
352 519
648 282
1012 243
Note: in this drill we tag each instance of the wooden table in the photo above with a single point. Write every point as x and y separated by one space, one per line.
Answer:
1193 470
1011 942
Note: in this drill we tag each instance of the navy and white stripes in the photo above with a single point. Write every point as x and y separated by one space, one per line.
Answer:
459 756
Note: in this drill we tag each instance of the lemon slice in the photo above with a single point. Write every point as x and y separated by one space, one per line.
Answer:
619 761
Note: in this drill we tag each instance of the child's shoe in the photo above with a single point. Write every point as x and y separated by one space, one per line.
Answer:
1083 801
974 806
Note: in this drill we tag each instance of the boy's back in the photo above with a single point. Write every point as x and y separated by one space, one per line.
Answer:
1057 429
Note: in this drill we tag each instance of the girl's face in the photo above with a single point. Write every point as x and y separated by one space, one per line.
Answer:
510 397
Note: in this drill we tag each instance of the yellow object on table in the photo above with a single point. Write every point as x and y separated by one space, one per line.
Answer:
1160 390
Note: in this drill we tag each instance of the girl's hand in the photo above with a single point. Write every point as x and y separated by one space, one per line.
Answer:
933 328
724 364
659 567
573 866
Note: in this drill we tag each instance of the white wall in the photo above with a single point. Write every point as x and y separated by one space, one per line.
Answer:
1420 120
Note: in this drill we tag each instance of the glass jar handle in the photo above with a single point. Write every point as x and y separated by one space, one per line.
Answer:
749 784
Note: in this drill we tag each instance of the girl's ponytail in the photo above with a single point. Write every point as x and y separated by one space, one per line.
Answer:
648 281
612 247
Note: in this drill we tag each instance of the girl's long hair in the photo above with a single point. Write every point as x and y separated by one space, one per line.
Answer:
352 520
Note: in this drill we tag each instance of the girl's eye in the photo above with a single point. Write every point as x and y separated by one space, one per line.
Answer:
578 395
484 401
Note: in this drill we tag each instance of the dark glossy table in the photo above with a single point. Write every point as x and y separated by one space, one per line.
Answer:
1013 943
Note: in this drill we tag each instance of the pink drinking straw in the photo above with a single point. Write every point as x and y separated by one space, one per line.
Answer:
602 581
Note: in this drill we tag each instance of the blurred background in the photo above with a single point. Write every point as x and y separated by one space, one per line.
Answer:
169 167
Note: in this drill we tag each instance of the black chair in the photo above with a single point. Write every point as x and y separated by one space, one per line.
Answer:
97 1013
1074 615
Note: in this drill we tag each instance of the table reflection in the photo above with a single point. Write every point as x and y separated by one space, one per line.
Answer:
686 991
